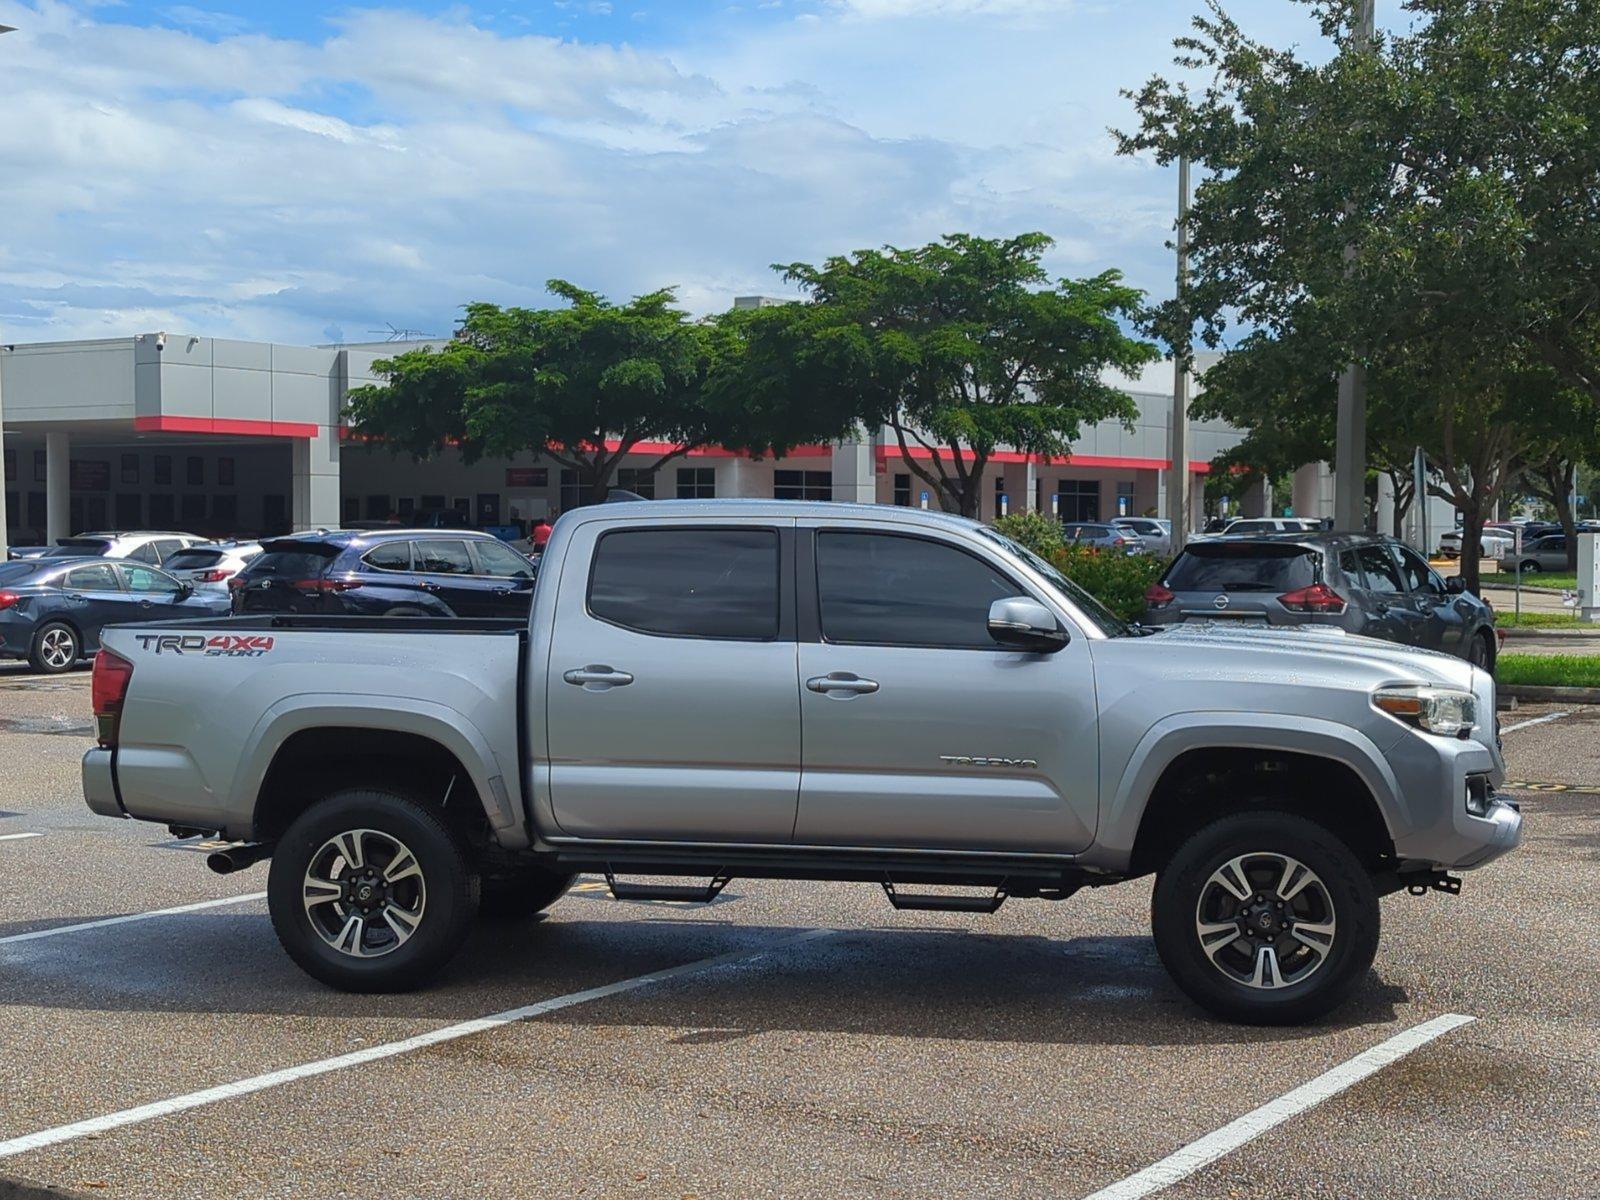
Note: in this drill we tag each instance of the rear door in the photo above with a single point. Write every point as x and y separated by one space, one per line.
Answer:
95 598
672 694
920 731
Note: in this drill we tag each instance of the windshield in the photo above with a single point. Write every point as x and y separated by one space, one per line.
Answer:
1104 619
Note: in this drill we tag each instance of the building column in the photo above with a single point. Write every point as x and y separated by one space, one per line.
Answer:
1197 501
731 477
1257 502
57 487
314 491
1311 489
855 478
1383 513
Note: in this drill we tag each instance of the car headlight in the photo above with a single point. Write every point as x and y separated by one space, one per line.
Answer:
1443 711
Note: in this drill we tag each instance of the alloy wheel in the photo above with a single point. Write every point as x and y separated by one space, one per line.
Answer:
1265 920
364 893
57 648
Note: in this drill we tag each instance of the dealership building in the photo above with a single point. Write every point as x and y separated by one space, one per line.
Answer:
213 436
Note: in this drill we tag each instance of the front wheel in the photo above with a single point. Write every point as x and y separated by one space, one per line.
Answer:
1265 918
370 891
1480 653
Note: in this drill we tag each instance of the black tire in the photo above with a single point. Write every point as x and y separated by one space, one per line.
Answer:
447 908
56 647
1345 885
1530 568
403 610
530 891
1481 652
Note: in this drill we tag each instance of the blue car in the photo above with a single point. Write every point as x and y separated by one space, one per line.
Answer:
386 573
52 609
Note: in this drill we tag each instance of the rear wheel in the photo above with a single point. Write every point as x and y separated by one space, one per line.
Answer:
55 648
1266 918
1530 568
370 891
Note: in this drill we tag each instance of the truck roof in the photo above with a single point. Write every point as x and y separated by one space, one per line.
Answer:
811 509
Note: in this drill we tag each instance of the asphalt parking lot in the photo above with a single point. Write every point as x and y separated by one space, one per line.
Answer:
789 1040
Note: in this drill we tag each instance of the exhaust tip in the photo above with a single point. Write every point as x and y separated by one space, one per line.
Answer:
221 862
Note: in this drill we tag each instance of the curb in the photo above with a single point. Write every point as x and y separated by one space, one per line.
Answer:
21 1189
1513 632
1510 589
1516 691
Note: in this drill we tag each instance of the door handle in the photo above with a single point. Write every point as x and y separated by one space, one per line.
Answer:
597 678
842 682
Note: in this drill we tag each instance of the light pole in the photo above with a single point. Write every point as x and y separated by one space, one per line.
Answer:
1350 445
5 550
1178 442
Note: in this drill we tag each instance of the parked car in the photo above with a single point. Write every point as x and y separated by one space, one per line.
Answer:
797 690
150 547
391 572
51 612
1548 553
1155 535
1362 583
1103 536
1249 526
207 566
1492 542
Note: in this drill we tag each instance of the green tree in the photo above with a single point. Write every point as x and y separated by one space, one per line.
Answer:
585 384
1411 209
961 347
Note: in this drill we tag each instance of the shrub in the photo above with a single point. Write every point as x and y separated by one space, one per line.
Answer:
1037 532
1116 579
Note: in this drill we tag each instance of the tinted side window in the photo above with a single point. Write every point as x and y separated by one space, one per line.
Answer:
98 578
1378 566
711 583
145 554
500 560
393 556
167 547
877 589
143 579
443 558
1418 574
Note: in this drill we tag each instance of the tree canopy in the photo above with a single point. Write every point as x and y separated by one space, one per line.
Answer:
962 347
1429 208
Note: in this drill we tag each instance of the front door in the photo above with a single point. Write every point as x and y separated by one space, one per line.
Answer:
1390 614
156 595
922 732
1443 616
672 702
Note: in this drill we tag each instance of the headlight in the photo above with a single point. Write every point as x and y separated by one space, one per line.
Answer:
1444 711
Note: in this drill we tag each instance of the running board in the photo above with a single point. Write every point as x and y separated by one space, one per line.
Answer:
679 892
939 902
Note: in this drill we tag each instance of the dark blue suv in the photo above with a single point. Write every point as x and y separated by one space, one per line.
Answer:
387 572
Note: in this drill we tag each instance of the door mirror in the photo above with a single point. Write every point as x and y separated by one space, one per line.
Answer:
1455 585
185 590
1024 624
525 583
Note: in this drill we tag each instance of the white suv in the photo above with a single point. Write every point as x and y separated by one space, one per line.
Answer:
152 547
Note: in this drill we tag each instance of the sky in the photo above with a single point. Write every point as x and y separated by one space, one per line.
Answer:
300 172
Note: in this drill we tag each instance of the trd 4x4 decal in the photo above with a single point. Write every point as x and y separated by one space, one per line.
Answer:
228 645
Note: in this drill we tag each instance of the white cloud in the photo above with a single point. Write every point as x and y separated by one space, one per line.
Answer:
246 185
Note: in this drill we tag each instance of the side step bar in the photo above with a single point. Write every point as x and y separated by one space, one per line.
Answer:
680 892
939 902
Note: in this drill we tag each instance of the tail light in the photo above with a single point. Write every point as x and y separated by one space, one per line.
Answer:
7 599
236 583
1318 598
1158 595
108 688
213 576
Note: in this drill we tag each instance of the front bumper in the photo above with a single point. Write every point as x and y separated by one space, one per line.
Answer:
100 785
1502 832
1437 828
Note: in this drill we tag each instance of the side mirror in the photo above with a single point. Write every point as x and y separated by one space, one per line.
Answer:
1022 623
1455 585
525 583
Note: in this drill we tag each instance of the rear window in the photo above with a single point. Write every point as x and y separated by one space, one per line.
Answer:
292 561
16 572
1223 567
79 548
193 560
707 583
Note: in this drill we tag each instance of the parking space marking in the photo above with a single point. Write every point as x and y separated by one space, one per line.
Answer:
1556 716
17 837
103 922
447 1033
1185 1162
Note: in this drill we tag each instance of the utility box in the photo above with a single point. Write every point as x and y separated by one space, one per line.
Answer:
1589 576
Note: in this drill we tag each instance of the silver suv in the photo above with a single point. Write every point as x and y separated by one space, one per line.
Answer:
152 548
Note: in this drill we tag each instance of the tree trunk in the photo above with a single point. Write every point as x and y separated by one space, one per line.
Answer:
1471 541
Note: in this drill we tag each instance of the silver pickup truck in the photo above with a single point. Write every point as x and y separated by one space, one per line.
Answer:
810 691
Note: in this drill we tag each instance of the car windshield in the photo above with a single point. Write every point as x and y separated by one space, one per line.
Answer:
1243 567
1104 619
78 548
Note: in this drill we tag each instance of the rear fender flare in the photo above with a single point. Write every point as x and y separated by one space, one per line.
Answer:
436 722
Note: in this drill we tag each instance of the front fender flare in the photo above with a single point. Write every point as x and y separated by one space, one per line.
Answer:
422 718
1180 733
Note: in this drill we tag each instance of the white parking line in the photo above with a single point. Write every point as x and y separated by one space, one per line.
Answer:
1534 721
58 930
17 837
1185 1162
448 1033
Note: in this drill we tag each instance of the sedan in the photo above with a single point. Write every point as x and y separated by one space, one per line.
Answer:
1541 554
52 610
1155 535
1101 536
